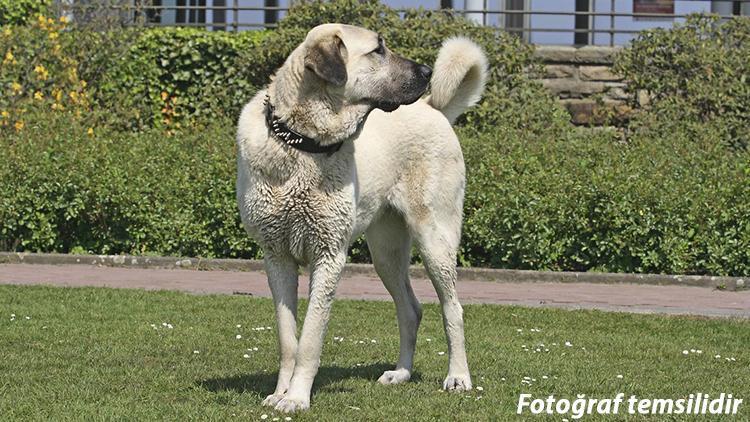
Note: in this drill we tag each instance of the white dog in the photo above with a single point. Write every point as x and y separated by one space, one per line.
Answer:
331 150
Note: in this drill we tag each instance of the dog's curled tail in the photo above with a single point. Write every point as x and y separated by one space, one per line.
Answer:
458 78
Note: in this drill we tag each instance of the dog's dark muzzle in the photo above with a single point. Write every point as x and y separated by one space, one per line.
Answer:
424 71
411 90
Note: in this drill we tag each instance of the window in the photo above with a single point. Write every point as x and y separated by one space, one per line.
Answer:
191 11
582 23
516 23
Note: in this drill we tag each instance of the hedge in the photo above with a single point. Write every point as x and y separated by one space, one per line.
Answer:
668 204
580 203
66 189
172 77
134 79
696 73
146 164
168 77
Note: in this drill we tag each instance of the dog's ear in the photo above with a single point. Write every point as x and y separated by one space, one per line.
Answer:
325 58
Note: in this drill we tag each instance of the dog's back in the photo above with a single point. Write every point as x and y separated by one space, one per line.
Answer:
408 158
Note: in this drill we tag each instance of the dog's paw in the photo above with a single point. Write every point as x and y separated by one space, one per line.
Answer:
290 404
394 377
457 383
272 400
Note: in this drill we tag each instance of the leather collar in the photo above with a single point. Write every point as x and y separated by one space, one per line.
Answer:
294 139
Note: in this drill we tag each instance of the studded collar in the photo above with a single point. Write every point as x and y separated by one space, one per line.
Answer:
296 140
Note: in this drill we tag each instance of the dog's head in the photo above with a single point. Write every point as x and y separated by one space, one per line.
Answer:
356 62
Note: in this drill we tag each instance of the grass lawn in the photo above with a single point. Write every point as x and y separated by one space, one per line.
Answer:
92 353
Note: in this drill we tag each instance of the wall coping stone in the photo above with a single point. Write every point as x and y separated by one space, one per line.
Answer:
590 54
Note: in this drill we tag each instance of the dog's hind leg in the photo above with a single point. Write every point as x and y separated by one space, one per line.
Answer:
283 280
438 236
390 246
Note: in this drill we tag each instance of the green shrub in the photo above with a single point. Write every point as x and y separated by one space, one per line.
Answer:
658 205
64 190
169 77
695 72
21 12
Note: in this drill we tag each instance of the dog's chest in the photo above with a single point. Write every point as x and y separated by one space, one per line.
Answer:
305 216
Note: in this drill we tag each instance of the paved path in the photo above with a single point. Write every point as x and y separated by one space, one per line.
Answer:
609 297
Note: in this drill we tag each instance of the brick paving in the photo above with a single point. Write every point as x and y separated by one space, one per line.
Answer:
609 297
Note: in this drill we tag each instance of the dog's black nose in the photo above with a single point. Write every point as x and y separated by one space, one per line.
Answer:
425 71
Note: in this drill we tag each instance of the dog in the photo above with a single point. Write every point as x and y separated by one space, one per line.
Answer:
340 144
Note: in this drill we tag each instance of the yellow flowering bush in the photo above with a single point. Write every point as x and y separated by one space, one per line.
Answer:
36 72
21 12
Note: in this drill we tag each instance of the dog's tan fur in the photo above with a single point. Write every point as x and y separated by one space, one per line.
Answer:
398 176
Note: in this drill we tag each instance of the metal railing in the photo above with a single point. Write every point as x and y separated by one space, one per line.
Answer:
536 21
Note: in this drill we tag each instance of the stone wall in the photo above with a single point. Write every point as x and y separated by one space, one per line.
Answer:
582 79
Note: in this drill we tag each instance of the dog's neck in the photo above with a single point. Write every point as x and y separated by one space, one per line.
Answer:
311 107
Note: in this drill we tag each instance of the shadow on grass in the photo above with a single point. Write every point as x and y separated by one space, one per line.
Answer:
263 383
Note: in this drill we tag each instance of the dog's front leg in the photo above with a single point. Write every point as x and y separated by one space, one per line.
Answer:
283 280
324 278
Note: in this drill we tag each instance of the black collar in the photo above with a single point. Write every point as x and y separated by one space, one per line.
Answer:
293 139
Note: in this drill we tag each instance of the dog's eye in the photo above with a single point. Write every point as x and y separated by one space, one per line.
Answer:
381 47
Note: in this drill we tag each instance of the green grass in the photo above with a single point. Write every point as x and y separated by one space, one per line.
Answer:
93 354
